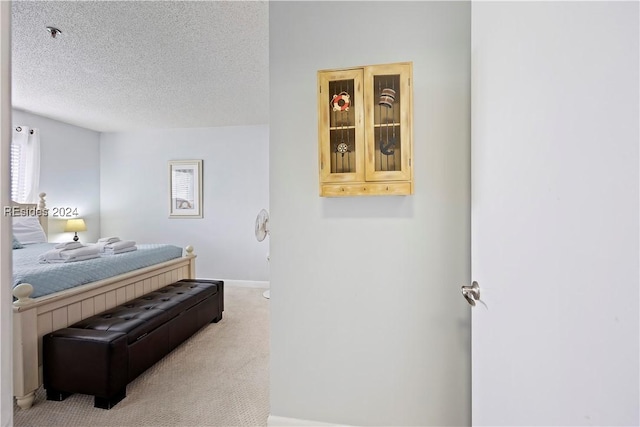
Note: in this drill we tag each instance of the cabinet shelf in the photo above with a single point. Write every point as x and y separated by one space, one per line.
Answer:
378 125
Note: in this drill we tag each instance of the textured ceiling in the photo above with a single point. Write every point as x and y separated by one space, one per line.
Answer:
125 65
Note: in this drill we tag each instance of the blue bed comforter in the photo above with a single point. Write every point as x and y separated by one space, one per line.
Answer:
49 278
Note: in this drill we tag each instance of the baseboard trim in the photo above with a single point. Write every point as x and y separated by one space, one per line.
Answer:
274 421
246 283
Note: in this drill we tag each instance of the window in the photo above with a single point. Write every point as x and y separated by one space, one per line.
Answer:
25 165
16 193
183 188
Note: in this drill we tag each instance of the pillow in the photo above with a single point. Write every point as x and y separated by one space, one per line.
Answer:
16 244
27 229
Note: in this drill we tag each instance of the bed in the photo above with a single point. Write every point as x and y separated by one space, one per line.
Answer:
35 315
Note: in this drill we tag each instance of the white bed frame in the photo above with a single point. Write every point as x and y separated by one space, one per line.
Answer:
35 317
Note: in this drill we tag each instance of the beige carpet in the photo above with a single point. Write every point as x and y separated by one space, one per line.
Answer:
219 377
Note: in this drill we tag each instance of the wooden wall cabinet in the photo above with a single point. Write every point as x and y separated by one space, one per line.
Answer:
365 130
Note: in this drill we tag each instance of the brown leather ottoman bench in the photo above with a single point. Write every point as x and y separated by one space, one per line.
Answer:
101 354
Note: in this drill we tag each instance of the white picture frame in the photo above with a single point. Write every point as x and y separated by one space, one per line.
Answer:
185 189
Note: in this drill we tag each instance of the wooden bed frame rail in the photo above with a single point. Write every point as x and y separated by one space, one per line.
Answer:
35 317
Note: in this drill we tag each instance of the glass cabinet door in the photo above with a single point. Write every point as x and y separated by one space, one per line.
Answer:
340 126
388 105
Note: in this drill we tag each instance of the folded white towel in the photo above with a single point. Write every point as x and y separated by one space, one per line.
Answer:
109 239
79 258
118 251
52 254
119 245
68 245
68 255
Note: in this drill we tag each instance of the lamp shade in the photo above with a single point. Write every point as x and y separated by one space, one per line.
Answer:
75 225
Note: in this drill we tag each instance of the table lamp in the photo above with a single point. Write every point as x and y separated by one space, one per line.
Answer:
75 225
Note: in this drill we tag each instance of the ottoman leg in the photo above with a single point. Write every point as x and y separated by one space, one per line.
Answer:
57 395
110 402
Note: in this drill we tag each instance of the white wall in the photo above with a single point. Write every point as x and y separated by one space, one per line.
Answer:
135 197
556 213
69 172
367 322
6 319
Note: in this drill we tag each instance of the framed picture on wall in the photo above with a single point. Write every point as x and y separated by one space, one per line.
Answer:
185 188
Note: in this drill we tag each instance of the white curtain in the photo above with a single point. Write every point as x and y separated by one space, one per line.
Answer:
25 164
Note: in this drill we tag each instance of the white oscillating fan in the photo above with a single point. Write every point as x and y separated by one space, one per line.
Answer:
262 225
262 230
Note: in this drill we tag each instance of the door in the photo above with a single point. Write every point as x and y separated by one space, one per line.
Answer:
340 126
555 213
388 119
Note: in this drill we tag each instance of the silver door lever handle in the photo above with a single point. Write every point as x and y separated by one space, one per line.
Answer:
471 293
